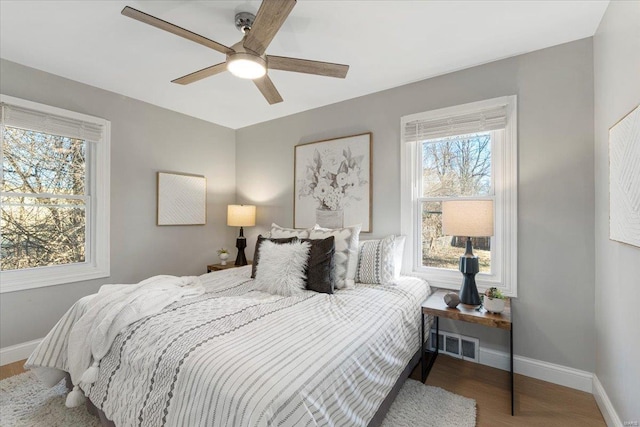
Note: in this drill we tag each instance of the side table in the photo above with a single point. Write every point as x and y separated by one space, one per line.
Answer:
219 267
434 305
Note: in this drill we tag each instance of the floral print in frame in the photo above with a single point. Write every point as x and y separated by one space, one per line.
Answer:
332 186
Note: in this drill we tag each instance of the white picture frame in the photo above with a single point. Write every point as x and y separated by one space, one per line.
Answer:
624 179
182 199
332 183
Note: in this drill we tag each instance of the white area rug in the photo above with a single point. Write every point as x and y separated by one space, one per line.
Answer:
24 401
419 405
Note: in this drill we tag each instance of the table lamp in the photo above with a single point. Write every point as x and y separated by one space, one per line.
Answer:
241 216
468 218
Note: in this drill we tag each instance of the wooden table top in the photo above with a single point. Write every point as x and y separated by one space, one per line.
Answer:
229 264
436 306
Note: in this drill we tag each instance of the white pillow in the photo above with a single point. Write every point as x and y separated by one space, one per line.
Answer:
398 252
282 266
346 254
278 232
380 261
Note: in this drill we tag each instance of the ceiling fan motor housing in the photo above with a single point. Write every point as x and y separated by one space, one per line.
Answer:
239 51
244 21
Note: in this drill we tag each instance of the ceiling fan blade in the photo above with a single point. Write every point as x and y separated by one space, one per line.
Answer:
174 29
269 19
269 91
307 66
201 74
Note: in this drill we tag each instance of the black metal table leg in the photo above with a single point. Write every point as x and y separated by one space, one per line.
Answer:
426 367
437 349
423 358
511 363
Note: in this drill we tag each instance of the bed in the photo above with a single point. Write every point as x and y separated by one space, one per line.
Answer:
242 357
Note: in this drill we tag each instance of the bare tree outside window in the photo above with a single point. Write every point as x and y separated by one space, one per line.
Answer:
453 167
44 199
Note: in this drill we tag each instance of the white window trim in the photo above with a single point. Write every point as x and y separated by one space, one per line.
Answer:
505 196
97 264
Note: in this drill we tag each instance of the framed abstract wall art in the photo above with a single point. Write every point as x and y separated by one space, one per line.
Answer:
624 179
332 183
181 199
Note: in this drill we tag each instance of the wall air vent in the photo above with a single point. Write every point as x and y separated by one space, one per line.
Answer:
456 345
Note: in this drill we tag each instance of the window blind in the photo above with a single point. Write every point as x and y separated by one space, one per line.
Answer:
478 121
25 118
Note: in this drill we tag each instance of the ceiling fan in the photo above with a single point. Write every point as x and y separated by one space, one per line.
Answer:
247 59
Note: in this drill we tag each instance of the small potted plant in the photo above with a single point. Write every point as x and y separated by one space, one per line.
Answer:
493 300
223 254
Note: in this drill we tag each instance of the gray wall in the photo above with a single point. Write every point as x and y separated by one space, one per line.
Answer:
144 139
553 316
617 289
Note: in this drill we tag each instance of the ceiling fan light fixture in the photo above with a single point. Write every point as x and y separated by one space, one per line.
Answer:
247 59
246 65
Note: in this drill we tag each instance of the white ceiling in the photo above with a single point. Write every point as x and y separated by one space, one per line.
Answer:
386 43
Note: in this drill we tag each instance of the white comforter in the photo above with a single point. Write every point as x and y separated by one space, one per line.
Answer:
105 314
115 307
239 357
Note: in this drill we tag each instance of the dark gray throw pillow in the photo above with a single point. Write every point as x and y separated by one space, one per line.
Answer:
320 266
256 254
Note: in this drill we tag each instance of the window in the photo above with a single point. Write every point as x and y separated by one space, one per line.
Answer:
54 196
454 167
457 153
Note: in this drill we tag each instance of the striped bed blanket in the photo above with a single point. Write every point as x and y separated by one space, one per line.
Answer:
235 356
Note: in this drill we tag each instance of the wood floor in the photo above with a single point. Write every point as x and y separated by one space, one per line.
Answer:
11 369
538 403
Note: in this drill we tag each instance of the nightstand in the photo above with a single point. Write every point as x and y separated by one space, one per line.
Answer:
435 306
219 267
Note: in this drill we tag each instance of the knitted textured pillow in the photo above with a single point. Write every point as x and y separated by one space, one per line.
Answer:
282 232
379 261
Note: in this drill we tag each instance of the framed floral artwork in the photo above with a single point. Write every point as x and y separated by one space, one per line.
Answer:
332 183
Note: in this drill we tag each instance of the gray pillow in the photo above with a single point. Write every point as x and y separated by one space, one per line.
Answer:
320 265
256 254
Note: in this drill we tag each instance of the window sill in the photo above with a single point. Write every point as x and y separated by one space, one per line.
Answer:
454 282
40 277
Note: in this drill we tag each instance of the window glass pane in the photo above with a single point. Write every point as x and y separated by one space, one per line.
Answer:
441 251
36 162
457 166
39 232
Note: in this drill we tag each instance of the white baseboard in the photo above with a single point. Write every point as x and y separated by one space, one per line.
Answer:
604 404
550 372
17 352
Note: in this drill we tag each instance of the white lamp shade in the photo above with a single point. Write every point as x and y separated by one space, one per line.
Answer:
467 218
241 215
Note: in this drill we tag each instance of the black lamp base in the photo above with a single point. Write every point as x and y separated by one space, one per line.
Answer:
241 243
469 291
